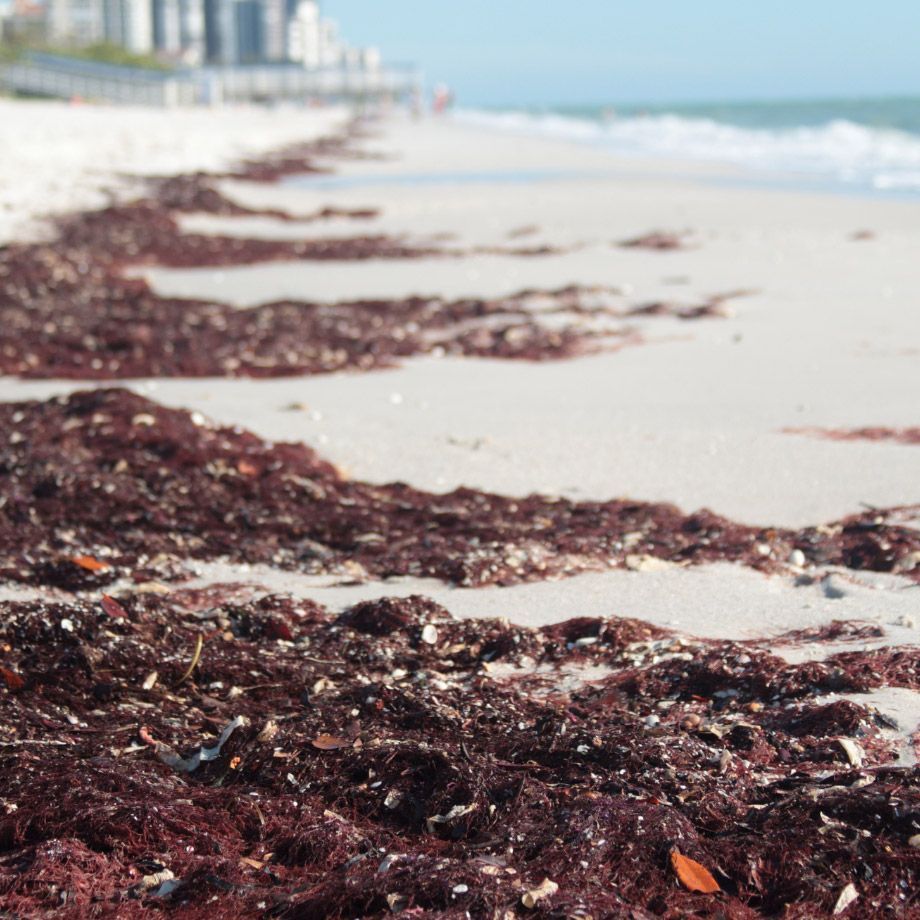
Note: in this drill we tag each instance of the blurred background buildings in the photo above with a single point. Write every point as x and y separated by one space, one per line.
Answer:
188 32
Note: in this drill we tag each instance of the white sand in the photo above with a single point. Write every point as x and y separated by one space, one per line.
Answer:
59 157
830 339
694 417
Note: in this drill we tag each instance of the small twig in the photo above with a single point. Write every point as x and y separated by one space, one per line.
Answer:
199 643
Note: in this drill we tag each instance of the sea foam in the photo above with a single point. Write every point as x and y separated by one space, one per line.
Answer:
839 151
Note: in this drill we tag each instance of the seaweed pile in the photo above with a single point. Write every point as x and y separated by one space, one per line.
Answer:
67 310
218 754
658 240
69 320
105 483
876 433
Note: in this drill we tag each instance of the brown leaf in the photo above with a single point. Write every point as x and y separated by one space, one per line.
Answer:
12 679
247 469
89 563
692 875
330 742
113 608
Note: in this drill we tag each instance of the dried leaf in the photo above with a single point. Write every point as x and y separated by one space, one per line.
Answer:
692 875
12 679
252 863
113 608
326 742
247 469
89 563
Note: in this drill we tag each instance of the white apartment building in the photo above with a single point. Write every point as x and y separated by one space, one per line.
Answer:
192 31
312 40
129 23
77 22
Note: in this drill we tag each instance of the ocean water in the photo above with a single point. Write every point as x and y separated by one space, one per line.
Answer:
862 145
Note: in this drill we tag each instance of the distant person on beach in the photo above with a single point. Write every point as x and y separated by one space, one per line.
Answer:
442 99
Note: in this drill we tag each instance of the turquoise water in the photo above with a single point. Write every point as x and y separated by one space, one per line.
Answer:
854 144
894 113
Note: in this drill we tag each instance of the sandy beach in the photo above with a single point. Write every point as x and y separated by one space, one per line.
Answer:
694 413
808 331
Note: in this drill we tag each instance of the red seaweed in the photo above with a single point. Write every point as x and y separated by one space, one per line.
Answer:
658 240
138 487
456 782
877 433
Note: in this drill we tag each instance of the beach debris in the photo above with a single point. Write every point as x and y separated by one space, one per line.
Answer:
196 657
458 811
202 755
430 634
89 563
644 563
909 435
113 608
397 902
847 896
853 750
533 896
660 240
693 875
159 884
326 742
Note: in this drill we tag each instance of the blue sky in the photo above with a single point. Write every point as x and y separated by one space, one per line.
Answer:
528 52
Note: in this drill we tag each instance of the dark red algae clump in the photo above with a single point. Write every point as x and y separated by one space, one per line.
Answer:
660 240
61 318
137 488
878 433
394 760
61 321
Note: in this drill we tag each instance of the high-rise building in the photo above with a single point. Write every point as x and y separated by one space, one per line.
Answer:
191 29
220 31
192 32
75 22
274 29
167 29
249 31
129 23
303 34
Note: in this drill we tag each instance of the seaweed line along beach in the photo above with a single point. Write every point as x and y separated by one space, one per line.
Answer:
419 516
